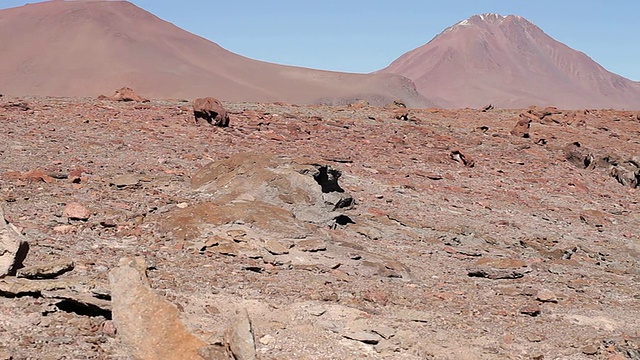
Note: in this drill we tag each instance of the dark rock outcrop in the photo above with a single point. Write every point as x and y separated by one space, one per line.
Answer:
210 111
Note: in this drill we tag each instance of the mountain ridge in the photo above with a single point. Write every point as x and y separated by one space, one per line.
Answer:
87 48
510 62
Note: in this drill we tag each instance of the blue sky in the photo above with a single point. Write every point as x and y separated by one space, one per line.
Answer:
364 36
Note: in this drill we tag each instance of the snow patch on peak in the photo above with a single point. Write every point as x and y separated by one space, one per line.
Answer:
491 17
480 20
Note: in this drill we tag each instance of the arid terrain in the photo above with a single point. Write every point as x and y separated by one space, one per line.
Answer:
318 232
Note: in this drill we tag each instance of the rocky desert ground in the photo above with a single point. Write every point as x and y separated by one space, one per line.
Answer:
317 232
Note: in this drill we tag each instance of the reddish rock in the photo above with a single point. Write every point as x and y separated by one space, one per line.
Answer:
376 296
211 111
627 174
147 323
109 328
498 269
463 159
545 295
396 104
401 114
531 310
239 338
521 129
547 114
590 350
76 211
576 118
578 155
37 175
124 94
360 104
487 108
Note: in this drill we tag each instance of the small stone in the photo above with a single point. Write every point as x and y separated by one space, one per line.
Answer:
182 205
317 310
363 336
275 247
535 337
531 310
545 295
76 211
5 355
401 114
47 271
461 158
124 94
18 287
311 245
64 229
521 128
589 350
267 339
376 296
123 181
237 234
211 310
499 269
82 303
229 249
109 328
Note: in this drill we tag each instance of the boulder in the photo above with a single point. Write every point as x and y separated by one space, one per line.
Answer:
211 111
488 108
239 337
627 174
461 158
396 104
278 195
13 247
578 155
76 211
147 323
401 113
542 113
294 184
124 94
521 129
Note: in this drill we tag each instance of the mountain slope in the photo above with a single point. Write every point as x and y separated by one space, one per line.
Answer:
510 62
86 48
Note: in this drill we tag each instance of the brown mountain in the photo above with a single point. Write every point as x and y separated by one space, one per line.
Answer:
87 48
510 62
